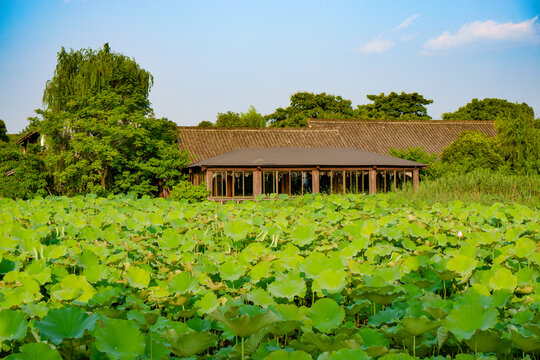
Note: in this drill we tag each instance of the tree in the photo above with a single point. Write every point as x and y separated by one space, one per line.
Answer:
3 132
249 119
100 131
22 176
519 139
472 150
417 154
306 105
489 109
206 124
395 106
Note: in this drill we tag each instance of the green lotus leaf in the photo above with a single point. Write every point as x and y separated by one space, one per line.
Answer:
303 235
503 279
465 320
182 283
524 247
170 239
285 355
286 327
73 287
400 356
39 271
418 326
237 229
331 280
326 315
417 231
525 340
138 277
462 264
288 286
13 325
68 322
373 337
246 325
260 271
316 262
35 351
250 345
387 316
260 297
155 350
120 339
191 343
231 271
207 303
488 341
345 354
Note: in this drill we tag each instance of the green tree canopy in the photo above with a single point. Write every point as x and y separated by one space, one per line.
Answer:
3 132
100 131
206 124
394 106
472 150
489 109
249 119
306 105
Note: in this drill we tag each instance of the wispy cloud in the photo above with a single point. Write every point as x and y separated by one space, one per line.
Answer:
377 45
527 30
407 22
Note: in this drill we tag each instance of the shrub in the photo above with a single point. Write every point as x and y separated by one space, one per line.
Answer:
472 150
185 190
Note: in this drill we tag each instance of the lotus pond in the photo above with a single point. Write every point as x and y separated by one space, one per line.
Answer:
335 277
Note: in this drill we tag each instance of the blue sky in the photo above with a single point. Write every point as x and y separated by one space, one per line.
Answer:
215 56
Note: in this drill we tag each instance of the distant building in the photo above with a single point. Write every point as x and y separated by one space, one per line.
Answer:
328 156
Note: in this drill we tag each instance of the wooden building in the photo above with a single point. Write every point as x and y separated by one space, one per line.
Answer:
328 156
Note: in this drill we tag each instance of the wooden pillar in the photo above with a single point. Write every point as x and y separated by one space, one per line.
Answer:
257 182
315 181
372 181
209 174
415 178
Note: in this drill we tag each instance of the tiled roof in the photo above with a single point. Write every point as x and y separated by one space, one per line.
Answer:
379 136
272 157
205 143
367 135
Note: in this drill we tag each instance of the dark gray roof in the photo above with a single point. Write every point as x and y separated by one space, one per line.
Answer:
291 157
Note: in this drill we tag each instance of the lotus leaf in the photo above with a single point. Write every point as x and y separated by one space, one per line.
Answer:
465 320
285 355
207 303
35 351
120 339
138 277
68 322
418 326
345 354
260 297
331 280
73 287
13 325
503 279
237 229
525 340
303 235
246 325
326 315
182 283
487 341
231 271
288 286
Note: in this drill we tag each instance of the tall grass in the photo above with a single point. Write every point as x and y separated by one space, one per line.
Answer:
482 186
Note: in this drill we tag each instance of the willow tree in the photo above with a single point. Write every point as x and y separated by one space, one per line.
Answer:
100 130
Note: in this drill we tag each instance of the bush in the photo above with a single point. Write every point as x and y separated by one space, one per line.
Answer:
185 190
417 154
472 150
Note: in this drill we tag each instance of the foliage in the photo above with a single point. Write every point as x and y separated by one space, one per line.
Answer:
185 190
472 150
22 176
489 109
417 154
519 139
481 186
394 106
206 124
306 105
3 132
90 276
249 119
100 132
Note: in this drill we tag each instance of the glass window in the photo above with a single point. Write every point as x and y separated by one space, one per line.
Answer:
338 186
284 182
238 182
307 182
269 182
296 182
325 182
248 183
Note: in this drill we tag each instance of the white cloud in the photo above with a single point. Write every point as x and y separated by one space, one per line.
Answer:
408 22
377 45
527 30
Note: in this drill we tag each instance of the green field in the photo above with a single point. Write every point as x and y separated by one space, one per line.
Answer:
335 277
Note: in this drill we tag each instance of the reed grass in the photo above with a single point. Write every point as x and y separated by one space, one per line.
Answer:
481 186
